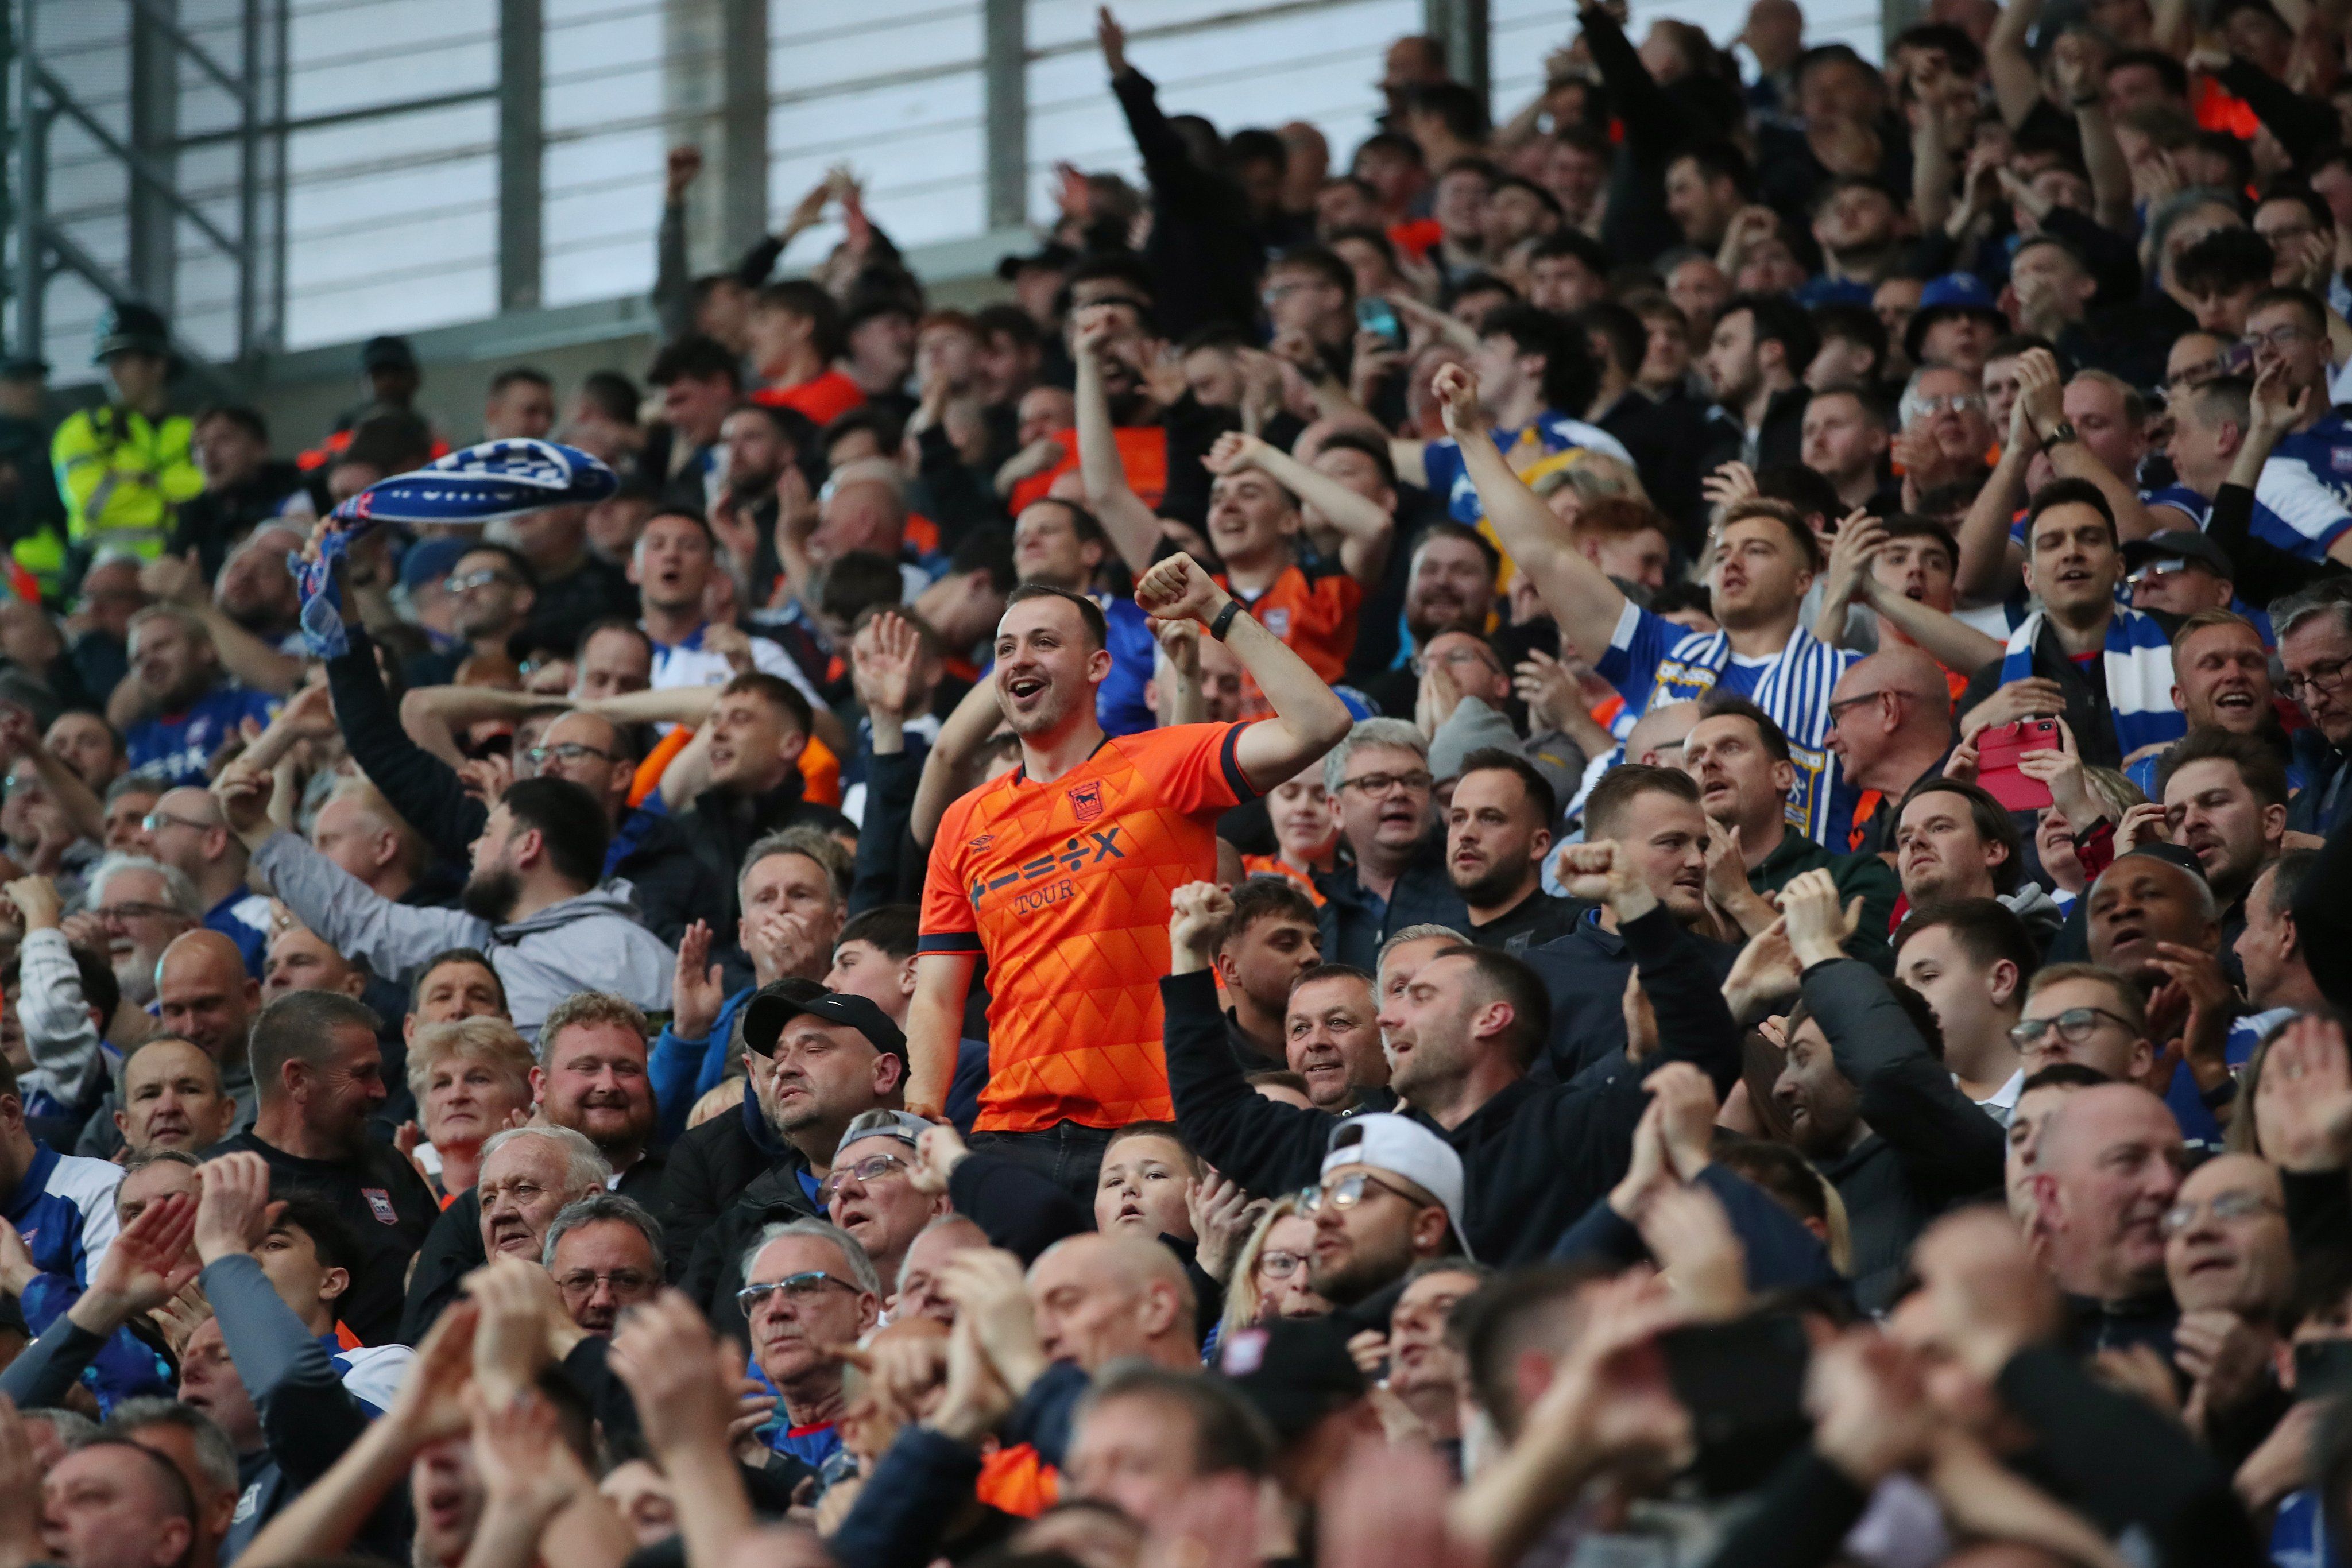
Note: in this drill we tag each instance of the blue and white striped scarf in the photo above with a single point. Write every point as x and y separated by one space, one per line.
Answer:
1795 690
2138 667
478 484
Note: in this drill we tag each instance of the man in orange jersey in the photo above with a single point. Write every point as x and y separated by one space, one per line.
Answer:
1060 871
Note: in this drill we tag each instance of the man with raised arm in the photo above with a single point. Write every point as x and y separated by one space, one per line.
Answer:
1059 871
1765 558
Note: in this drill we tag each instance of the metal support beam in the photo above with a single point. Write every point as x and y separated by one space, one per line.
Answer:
154 126
744 126
1004 74
521 144
1463 25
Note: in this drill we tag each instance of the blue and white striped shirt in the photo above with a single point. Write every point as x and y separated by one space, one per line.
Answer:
1653 661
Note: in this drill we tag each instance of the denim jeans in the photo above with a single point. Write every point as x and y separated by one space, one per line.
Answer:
1067 1154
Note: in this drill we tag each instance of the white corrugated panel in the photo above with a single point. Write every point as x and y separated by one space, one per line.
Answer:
1238 64
602 173
891 87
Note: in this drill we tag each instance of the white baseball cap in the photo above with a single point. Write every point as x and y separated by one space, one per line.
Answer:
1402 1147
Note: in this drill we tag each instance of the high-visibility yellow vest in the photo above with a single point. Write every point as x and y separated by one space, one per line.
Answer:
123 477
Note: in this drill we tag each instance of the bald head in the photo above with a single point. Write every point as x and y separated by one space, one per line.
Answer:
204 994
1657 737
192 836
358 830
1893 719
2108 1167
1100 1299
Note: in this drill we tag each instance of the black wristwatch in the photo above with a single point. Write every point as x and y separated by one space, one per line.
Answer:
2060 435
1225 620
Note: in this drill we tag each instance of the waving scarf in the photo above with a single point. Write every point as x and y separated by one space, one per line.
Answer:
478 484
2136 666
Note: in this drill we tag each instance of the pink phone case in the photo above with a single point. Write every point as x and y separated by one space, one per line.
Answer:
1999 748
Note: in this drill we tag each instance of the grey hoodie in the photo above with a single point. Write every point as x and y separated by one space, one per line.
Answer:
590 943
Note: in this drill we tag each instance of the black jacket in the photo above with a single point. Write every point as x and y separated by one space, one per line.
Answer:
2088 708
1353 930
1203 252
1779 440
1533 921
1928 1145
720 830
714 1272
708 1169
1535 1157
1585 974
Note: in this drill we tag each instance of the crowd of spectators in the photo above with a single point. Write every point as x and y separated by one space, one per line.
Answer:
1621 837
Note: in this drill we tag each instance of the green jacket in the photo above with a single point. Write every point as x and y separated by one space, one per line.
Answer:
1866 877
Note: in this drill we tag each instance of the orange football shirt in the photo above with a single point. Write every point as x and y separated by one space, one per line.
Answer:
1066 887
1313 611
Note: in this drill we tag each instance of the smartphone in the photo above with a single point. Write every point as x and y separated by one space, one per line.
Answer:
2322 1369
1998 750
1378 315
1744 1385
2237 360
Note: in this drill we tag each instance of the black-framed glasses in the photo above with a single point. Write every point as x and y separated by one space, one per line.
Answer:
131 909
1347 1192
2282 337
1845 705
873 1167
1375 785
1279 1265
2324 676
455 583
800 1289
570 751
2224 1206
2074 1026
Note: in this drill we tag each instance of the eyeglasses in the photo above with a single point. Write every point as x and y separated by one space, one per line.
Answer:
873 1167
568 752
456 584
799 1288
1279 1265
1347 1192
2074 1026
2283 336
133 910
1374 785
620 1281
2228 1206
2154 570
2324 676
1839 709
1955 402
153 821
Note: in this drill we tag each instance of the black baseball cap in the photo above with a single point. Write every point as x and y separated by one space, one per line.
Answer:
1051 256
768 1011
388 354
2179 544
1292 1371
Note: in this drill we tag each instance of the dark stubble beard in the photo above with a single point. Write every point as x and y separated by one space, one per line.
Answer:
493 894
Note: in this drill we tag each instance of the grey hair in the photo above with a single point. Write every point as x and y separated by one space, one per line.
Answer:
1401 733
596 1206
812 844
2333 597
1908 409
73 1428
1421 933
936 1222
215 1455
584 1170
177 889
861 1267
